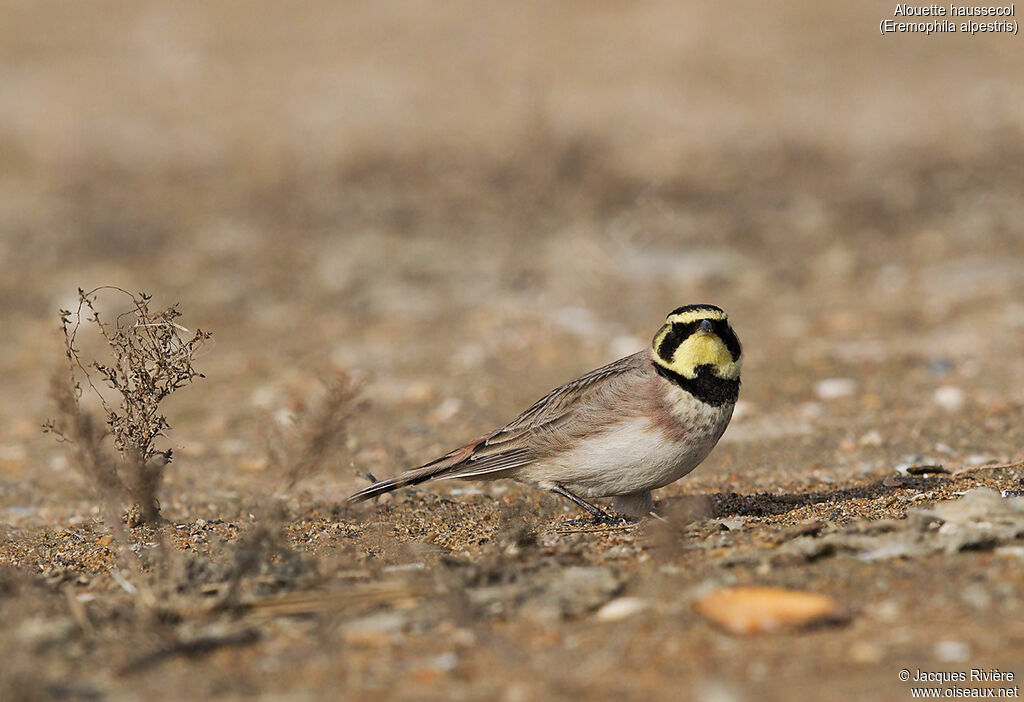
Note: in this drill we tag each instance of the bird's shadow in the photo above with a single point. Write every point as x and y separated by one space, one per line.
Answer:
722 505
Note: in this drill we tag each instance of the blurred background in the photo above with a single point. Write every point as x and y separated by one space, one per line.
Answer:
472 202
468 203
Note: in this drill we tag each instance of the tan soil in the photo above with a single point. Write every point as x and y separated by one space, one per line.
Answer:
465 206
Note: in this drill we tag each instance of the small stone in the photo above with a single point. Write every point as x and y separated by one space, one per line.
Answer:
1010 552
446 410
755 610
871 401
252 464
232 447
872 438
952 651
419 391
263 397
374 630
464 638
446 661
621 608
517 692
835 388
576 591
717 691
940 365
866 652
734 524
949 397
887 611
41 633
976 596
811 410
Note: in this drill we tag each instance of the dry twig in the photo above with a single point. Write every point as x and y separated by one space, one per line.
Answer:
149 356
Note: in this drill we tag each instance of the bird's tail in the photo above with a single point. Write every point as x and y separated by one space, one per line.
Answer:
431 470
412 477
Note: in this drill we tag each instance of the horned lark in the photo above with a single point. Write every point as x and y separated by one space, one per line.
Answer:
619 431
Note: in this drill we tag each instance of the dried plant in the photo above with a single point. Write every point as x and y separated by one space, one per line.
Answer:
302 448
296 451
150 356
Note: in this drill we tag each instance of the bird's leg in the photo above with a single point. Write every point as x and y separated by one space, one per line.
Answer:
599 515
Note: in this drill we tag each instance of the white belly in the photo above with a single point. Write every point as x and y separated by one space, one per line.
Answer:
632 456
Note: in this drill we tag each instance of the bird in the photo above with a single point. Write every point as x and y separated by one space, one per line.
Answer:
619 431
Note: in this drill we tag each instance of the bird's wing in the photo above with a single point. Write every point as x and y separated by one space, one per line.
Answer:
551 411
552 420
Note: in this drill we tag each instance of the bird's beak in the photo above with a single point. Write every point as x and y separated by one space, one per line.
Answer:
706 327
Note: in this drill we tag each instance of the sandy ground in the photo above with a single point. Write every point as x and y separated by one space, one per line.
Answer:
464 206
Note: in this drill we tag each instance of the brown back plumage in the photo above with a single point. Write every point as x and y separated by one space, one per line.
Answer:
570 411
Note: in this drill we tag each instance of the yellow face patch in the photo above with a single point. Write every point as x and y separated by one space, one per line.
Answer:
702 349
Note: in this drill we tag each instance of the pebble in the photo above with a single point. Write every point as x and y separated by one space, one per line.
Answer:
887 611
866 652
419 392
1010 552
375 630
834 388
939 365
232 447
952 651
811 410
717 691
976 595
949 397
622 608
574 591
446 661
284 417
45 632
756 610
263 397
445 411
872 438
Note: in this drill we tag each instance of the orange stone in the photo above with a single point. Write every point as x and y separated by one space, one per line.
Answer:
757 610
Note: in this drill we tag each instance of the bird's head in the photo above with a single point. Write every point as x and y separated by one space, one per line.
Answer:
698 339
